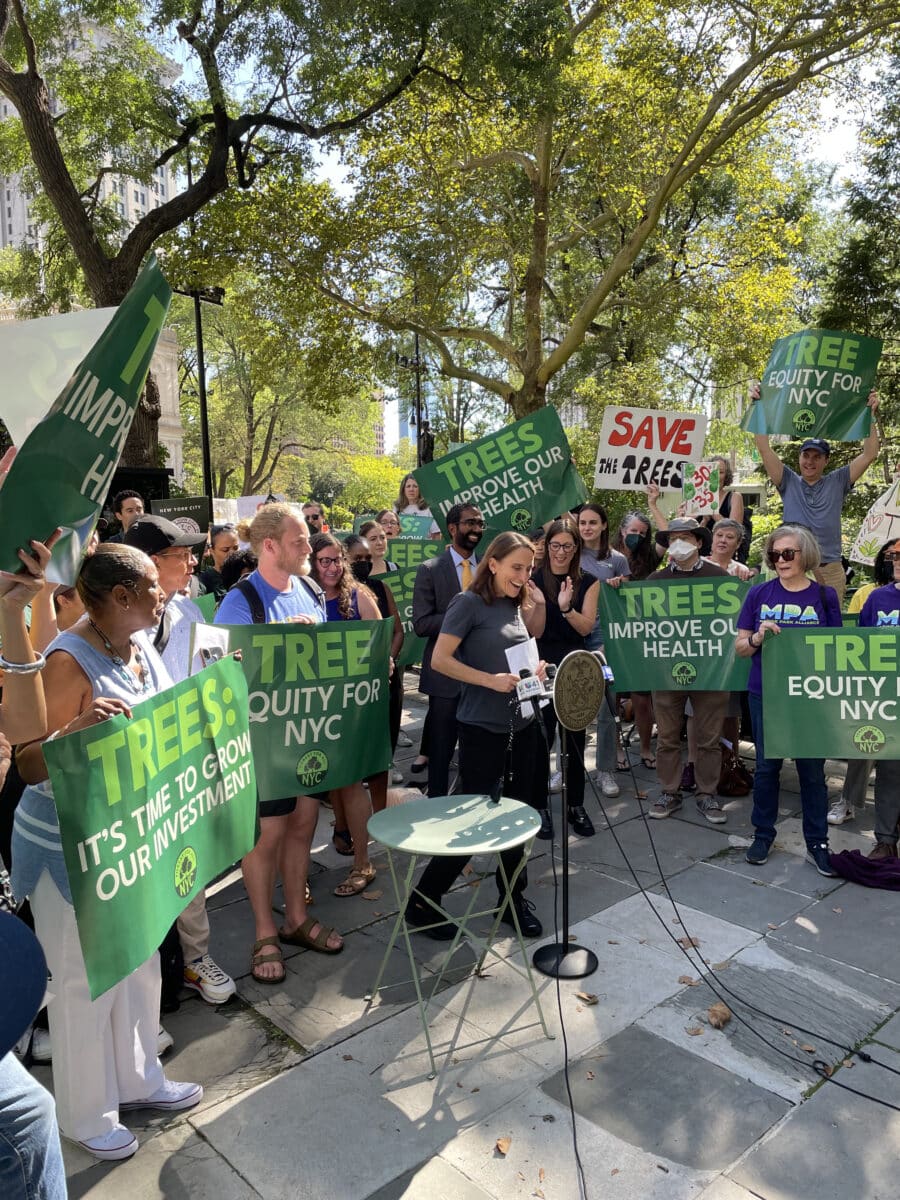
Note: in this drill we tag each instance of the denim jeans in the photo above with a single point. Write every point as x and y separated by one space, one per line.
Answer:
31 1165
813 792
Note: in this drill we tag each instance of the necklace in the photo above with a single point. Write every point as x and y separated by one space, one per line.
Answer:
137 685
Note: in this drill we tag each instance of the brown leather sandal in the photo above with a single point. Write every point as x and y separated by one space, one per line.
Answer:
260 956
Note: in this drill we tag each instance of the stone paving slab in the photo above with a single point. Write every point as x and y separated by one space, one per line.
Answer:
806 1007
847 935
679 844
541 1158
658 1097
789 872
434 1180
852 836
311 1117
734 897
833 1146
890 1033
633 918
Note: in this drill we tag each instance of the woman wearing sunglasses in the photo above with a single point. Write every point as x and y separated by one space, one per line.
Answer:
791 599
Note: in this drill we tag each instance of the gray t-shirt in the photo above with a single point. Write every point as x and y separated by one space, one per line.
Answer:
613 565
817 506
486 631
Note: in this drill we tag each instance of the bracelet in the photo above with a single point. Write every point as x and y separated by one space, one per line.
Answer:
30 668
565 611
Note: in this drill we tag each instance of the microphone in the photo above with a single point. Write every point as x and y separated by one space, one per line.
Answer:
529 686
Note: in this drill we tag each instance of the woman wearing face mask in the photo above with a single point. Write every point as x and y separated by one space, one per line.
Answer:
361 560
346 600
633 540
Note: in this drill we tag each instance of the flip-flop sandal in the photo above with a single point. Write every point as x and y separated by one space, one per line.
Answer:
301 936
342 842
274 955
356 882
623 766
649 763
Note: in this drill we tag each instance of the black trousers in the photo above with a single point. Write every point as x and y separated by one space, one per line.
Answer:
486 759
442 734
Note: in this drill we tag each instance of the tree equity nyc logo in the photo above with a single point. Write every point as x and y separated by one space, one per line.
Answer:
684 674
312 768
520 520
185 871
869 739
803 420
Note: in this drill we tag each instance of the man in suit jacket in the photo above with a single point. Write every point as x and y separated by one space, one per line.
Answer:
438 580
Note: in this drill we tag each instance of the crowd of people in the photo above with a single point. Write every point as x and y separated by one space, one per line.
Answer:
123 633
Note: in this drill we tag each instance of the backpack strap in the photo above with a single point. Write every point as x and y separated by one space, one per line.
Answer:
253 598
314 590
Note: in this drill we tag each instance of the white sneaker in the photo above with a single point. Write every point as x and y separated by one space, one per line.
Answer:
164 1041
404 740
396 776
556 782
118 1143
171 1097
839 813
41 1050
608 785
205 977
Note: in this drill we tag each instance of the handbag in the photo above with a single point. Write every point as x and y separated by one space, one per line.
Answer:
734 778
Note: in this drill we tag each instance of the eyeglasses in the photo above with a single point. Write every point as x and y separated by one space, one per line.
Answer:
474 521
184 553
788 555
892 556
328 562
561 547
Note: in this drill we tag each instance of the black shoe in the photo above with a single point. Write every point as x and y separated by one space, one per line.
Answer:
758 852
419 916
580 821
818 855
545 833
528 922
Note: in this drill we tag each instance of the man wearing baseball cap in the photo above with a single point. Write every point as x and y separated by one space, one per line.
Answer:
814 499
172 550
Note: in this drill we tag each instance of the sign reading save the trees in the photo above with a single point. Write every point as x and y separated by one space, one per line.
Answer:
318 703
672 635
150 810
834 688
519 477
816 384
640 446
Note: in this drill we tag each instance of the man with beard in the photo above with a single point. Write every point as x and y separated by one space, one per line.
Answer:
438 580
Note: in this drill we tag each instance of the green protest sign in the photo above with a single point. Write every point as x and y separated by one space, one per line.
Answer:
674 635
815 385
409 552
361 520
401 584
150 810
318 703
413 525
832 688
63 469
207 605
519 477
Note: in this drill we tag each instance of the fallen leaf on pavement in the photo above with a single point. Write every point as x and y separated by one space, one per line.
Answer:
614 1171
848 1062
537 1192
771 926
694 1031
687 942
837 910
689 980
719 966
376 895
589 1075
542 1174
587 997
611 942
503 1144
347 1057
807 1048
719 1015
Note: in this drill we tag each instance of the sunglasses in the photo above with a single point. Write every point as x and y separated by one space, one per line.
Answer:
787 555
892 556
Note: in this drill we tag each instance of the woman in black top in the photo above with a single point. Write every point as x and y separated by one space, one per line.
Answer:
501 749
223 541
569 613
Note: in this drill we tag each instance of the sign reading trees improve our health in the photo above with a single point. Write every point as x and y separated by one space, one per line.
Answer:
519 477
673 635
816 384
834 688
640 446
318 702
150 810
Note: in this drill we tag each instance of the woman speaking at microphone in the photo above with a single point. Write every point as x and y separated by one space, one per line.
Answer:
501 748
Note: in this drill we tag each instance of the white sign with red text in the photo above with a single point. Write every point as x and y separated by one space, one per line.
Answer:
640 446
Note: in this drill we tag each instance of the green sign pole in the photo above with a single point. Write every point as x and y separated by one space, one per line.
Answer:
318 703
815 384
150 810
63 470
519 477
832 691
673 635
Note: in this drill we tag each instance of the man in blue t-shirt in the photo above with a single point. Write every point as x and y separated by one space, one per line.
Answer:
815 499
280 540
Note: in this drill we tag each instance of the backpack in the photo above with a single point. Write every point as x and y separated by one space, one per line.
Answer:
257 609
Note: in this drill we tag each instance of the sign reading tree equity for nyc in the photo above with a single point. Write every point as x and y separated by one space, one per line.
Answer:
519 477
63 469
816 384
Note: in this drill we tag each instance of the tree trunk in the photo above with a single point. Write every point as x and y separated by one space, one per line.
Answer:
142 444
